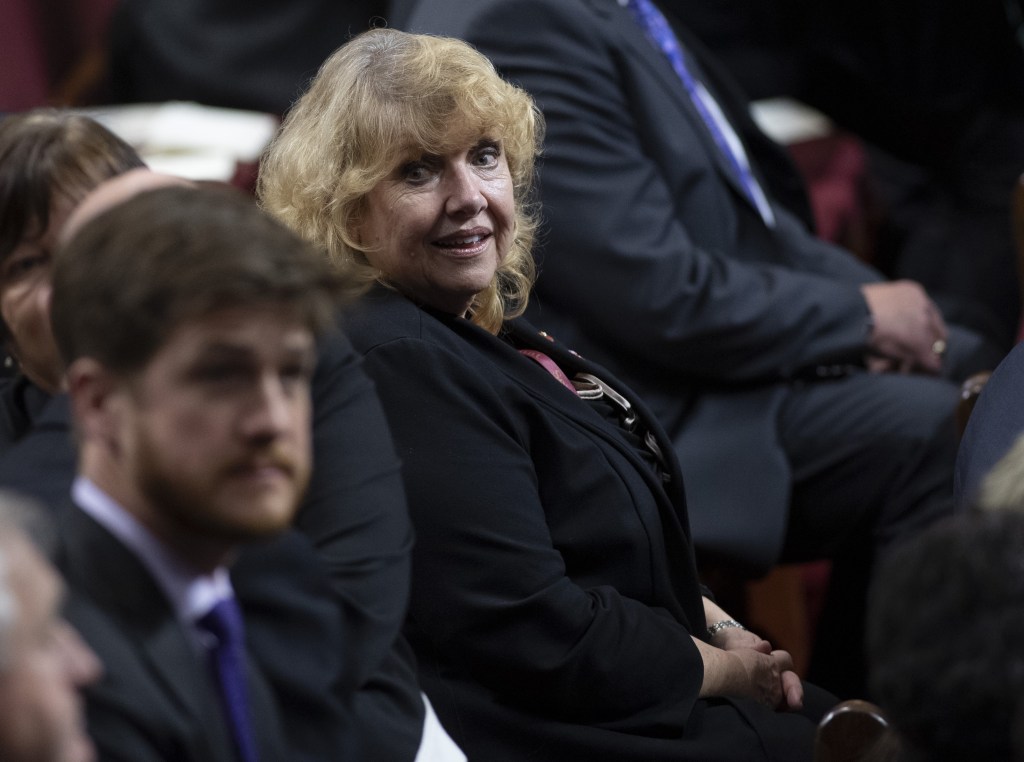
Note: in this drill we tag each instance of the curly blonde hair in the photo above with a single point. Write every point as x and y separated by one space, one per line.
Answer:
378 98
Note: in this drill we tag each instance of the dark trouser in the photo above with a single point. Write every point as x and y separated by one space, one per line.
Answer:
872 459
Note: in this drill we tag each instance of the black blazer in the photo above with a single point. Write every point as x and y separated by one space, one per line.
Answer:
655 263
21 403
554 588
157 700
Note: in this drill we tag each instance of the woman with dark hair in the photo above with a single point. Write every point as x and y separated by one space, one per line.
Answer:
49 160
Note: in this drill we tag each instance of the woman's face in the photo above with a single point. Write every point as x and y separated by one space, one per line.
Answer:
439 226
25 281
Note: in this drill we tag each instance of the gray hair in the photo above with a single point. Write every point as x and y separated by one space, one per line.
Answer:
24 519
1002 489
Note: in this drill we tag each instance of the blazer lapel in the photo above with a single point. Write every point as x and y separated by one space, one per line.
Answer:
529 336
553 393
182 673
114 579
672 91
674 528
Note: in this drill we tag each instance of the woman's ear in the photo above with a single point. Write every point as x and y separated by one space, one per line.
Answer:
352 228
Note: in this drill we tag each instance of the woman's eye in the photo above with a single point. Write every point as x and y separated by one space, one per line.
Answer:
21 266
416 172
488 156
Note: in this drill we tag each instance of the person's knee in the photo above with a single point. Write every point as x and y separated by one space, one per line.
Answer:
916 445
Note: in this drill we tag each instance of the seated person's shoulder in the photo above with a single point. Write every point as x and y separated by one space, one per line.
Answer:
383 316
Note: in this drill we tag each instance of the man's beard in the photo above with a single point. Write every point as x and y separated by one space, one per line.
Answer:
186 504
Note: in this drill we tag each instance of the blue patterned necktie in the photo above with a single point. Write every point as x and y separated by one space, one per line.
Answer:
658 31
227 662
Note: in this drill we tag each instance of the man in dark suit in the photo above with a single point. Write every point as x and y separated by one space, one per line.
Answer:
995 425
798 386
936 91
355 517
188 321
235 53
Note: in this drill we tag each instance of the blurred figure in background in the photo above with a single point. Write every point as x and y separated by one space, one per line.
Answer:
49 160
43 661
949 669
234 53
1002 488
995 425
936 91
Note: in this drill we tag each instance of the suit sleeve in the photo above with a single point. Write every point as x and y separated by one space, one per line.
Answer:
129 716
619 256
490 589
356 516
292 629
355 511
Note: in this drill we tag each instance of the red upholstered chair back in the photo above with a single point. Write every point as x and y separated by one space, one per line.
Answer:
51 51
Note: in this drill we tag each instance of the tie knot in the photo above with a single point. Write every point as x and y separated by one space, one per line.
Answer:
223 621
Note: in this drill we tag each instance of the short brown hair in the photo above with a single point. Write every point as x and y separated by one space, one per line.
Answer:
383 95
136 272
48 154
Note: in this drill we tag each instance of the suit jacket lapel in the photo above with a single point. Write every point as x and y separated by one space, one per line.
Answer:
182 673
114 579
673 92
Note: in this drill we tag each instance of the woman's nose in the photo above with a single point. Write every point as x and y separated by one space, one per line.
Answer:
465 196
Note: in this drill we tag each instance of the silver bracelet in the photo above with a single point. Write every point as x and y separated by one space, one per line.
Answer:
725 624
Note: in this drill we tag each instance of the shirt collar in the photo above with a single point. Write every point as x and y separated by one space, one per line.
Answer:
191 594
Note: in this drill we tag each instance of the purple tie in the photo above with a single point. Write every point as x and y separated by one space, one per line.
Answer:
658 31
227 662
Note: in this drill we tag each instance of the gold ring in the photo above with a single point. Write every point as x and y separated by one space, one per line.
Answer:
939 346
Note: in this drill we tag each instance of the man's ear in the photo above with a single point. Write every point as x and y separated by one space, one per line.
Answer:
97 400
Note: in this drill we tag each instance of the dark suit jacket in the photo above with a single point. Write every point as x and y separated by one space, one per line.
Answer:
156 699
42 462
21 403
354 513
235 53
993 428
654 262
554 588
